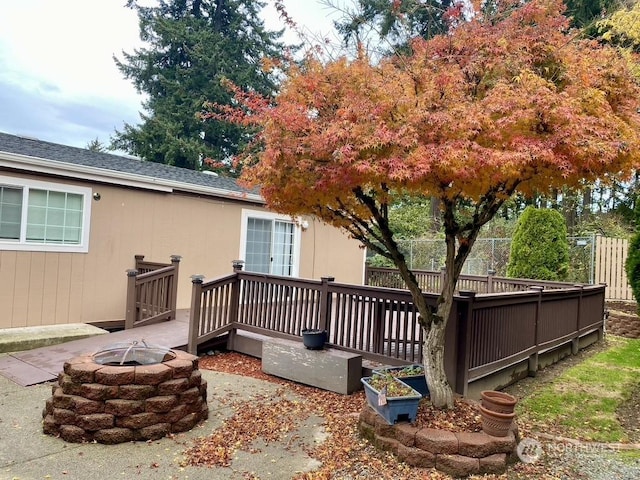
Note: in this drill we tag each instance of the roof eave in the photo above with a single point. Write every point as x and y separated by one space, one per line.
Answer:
103 175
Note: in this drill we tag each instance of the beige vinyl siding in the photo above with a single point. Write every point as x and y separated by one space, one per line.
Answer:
40 288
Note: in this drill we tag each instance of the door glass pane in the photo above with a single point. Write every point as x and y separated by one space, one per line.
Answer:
10 212
282 249
258 248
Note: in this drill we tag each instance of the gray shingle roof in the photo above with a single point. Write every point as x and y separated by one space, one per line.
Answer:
110 162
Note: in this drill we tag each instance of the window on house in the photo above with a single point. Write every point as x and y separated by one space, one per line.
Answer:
43 216
271 245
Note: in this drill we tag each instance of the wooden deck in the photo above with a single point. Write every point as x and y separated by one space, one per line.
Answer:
43 364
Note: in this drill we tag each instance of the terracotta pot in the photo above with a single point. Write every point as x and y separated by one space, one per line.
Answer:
494 423
498 401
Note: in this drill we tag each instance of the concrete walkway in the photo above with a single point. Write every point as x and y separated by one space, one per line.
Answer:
27 454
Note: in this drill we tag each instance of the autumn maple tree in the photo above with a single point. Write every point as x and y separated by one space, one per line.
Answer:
506 103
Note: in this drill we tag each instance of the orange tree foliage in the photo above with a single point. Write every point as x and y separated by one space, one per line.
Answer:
511 102
490 107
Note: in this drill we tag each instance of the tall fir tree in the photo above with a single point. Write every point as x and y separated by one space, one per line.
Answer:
399 21
191 47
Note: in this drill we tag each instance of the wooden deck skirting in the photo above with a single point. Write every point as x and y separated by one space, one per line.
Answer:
486 333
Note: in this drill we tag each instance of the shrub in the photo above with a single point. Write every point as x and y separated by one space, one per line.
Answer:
539 248
632 265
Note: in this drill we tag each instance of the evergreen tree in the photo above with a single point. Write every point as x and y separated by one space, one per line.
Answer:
96 145
632 265
192 46
399 21
539 248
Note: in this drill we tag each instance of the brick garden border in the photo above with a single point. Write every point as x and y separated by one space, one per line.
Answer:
458 454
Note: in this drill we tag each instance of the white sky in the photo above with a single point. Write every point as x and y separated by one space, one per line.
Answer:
58 81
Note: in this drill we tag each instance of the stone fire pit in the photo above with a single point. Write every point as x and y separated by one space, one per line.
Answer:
126 392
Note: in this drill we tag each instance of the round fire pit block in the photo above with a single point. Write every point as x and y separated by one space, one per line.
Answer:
112 404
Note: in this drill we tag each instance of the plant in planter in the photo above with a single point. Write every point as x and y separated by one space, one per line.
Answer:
391 398
412 375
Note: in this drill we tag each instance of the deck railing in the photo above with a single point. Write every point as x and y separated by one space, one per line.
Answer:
431 281
152 292
485 333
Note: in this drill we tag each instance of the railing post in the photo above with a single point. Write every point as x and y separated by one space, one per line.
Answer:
138 259
575 342
379 314
325 304
195 313
367 274
131 313
490 274
235 292
237 265
173 301
464 343
603 326
533 358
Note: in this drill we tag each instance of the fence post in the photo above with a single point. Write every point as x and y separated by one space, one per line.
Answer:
325 304
195 313
464 343
533 358
175 261
132 297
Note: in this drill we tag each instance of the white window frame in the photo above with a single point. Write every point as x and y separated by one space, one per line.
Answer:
259 214
22 244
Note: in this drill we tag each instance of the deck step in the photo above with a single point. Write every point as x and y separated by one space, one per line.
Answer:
27 338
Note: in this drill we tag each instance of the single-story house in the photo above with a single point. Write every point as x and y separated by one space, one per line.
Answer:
72 220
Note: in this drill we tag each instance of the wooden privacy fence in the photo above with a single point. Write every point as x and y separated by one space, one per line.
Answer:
486 331
152 292
611 255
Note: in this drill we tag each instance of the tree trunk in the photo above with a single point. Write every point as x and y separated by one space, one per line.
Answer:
440 391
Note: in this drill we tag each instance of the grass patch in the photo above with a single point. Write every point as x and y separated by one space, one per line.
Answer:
628 456
582 402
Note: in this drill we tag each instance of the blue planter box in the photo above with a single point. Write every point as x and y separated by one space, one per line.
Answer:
417 382
397 409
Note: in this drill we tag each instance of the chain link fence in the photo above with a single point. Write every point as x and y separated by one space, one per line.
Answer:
493 254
